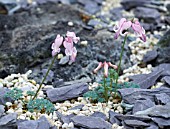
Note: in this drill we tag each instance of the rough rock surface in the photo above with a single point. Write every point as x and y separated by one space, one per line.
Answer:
67 92
131 95
91 122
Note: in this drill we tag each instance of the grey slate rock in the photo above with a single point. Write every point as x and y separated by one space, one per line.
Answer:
95 22
112 118
68 92
2 110
41 123
92 7
157 111
162 122
100 115
166 79
136 123
79 107
91 122
131 95
141 105
162 98
165 67
8 119
146 80
152 126
4 99
65 118
150 56
133 117
31 124
149 15
130 4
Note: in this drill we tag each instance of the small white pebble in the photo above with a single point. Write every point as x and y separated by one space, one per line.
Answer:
84 43
8 104
70 23
65 126
10 111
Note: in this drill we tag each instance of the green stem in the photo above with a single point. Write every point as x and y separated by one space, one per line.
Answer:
111 82
119 66
45 76
105 90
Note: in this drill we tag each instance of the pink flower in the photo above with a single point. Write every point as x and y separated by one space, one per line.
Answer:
56 45
111 65
68 44
73 56
72 37
122 25
100 65
139 30
106 67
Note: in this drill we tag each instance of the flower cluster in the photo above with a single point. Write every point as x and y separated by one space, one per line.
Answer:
106 66
68 43
124 25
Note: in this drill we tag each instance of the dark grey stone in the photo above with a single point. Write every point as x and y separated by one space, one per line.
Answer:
95 22
162 98
166 79
2 110
131 95
77 107
133 117
91 122
100 115
165 40
152 126
141 105
112 118
165 67
92 7
68 92
162 122
8 121
41 123
130 4
65 118
157 111
136 123
150 56
4 99
146 80
149 15
28 124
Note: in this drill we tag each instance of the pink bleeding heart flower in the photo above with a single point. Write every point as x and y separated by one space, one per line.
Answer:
72 36
139 30
122 25
100 65
73 56
56 45
106 67
68 44
111 65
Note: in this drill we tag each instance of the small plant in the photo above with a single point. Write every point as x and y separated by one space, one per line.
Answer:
40 105
70 50
112 80
15 94
98 93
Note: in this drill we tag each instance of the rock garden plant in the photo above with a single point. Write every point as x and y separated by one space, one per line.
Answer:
110 84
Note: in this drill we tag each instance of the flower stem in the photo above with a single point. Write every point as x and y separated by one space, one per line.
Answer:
45 76
119 66
105 90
